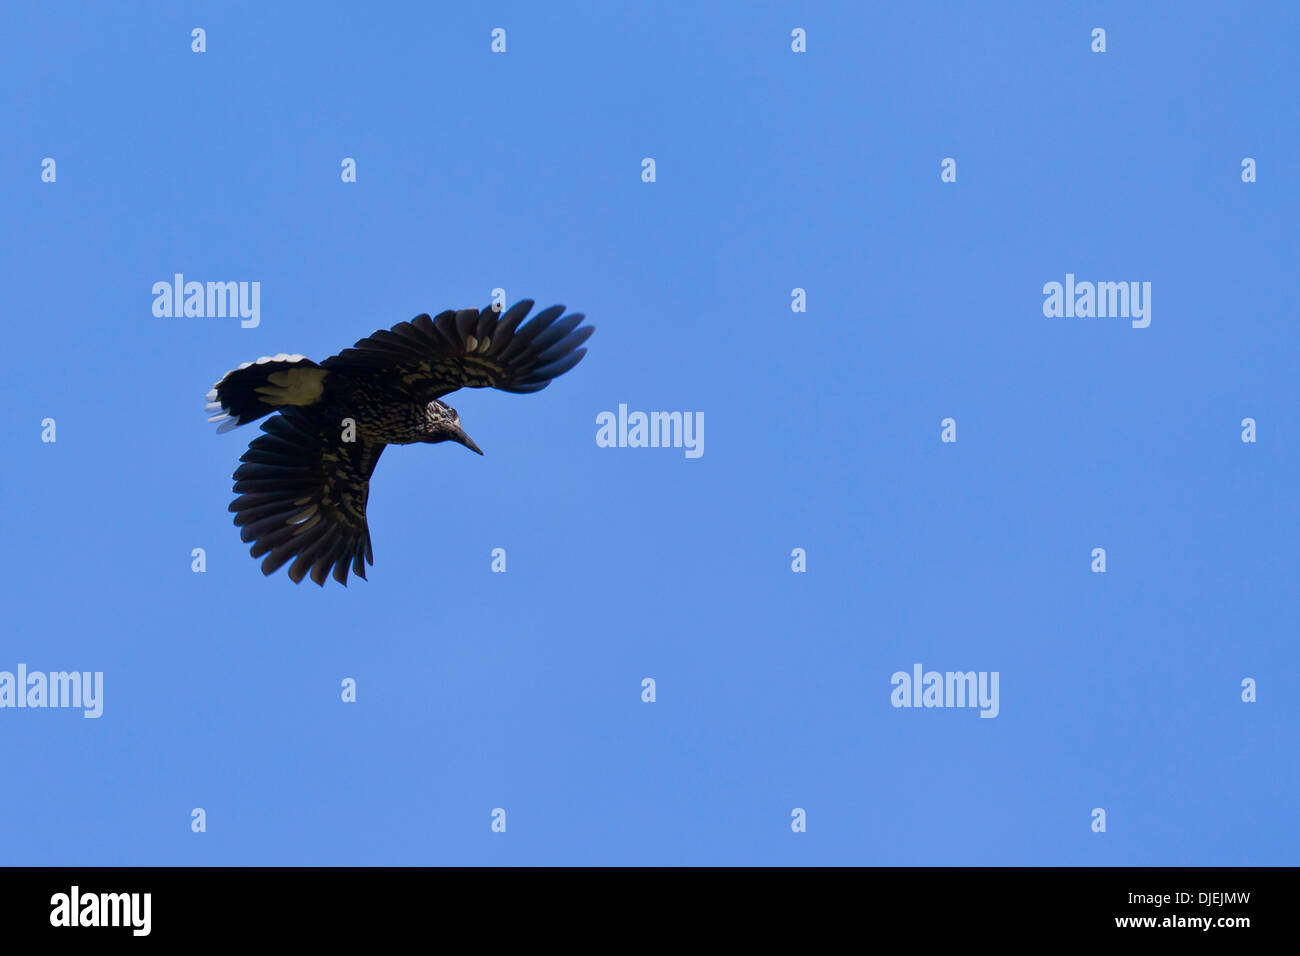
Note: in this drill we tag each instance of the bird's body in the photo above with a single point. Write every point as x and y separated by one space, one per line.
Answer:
304 484
382 414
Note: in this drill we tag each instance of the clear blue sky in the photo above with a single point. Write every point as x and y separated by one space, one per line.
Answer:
775 170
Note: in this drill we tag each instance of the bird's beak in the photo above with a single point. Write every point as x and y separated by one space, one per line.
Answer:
465 440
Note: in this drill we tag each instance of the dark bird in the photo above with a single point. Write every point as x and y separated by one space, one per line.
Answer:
304 483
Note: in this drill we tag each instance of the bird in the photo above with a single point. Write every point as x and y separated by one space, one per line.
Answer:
304 483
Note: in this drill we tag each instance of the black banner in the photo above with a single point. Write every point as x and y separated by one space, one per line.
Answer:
205 905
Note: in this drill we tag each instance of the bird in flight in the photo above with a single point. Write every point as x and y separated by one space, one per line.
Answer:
303 485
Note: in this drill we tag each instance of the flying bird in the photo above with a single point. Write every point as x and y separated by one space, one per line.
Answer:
304 483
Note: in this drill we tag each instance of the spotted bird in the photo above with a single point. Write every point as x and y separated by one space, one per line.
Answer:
303 485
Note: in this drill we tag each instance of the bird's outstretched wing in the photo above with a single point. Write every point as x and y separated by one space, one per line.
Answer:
429 357
302 495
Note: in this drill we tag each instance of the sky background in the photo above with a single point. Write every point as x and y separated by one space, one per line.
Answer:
775 170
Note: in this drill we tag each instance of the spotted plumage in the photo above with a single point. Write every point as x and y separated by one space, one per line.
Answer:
303 484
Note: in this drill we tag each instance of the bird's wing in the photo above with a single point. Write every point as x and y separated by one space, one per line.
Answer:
302 495
427 358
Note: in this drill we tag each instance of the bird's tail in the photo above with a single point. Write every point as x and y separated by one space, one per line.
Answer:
258 388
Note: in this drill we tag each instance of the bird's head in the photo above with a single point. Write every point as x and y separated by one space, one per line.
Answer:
444 425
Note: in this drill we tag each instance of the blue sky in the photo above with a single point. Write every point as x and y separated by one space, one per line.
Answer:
774 171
